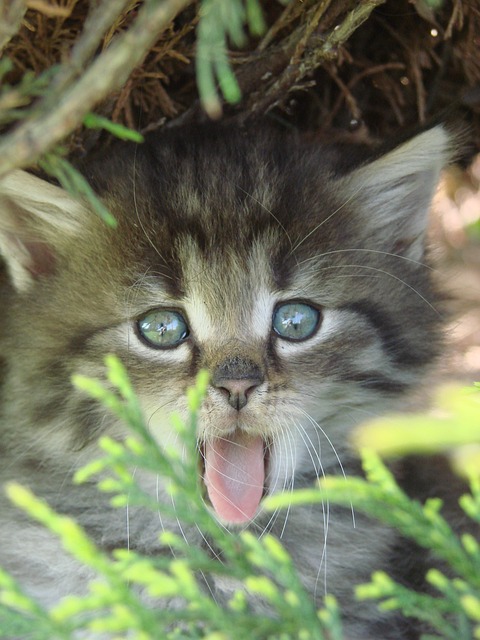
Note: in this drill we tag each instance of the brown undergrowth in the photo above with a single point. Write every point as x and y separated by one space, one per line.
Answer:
320 64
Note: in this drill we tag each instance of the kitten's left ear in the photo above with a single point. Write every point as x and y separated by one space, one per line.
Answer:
393 192
36 217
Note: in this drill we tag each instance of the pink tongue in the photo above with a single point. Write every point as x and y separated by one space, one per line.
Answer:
234 476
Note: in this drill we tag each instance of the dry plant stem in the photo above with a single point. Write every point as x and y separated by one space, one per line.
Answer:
107 73
49 9
420 90
346 94
11 14
315 55
366 72
96 24
289 14
457 13
309 29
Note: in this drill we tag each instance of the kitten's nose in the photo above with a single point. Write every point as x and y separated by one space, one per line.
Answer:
238 390
237 377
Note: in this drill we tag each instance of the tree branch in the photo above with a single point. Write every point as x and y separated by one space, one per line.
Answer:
107 73
11 14
318 50
98 21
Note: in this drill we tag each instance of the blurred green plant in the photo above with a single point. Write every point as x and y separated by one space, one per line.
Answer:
451 427
113 608
220 21
74 182
473 230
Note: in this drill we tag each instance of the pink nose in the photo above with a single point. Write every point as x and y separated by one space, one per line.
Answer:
238 390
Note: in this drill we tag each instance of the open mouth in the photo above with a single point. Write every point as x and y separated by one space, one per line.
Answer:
234 471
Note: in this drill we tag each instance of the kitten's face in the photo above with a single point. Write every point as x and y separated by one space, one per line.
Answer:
299 285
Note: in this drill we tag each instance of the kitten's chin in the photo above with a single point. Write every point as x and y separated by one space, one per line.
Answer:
235 468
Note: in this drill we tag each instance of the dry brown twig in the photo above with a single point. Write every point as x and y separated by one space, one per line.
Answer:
316 51
369 70
109 71
50 9
11 15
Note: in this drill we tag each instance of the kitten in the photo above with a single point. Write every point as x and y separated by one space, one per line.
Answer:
295 273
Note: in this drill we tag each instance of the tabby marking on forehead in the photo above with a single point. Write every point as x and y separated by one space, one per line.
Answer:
147 293
228 295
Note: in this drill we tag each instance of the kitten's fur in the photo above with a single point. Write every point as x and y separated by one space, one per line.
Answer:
221 225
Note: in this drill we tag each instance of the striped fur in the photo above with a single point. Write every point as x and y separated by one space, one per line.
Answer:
221 225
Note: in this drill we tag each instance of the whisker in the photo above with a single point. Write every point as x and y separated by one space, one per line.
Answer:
273 516
249 195
292 478
323 432
383 253
162 526
383 272
137 213
276 514
325 503
349 199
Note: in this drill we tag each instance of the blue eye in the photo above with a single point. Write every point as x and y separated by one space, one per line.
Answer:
163 328
295 320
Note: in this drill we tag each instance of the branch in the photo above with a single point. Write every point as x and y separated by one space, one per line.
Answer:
107 73
11 14
269 74
98 21
318 50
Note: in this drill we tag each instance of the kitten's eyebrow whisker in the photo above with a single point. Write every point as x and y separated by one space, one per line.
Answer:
137 213
249 195
383 253
131 293
315 229
137 287
386 273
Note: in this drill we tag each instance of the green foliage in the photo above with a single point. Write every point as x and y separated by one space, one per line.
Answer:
473 230
114 607
220 20
453 427
455 614
94 121
16 102
74 182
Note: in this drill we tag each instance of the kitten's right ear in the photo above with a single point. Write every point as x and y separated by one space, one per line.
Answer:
35 219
